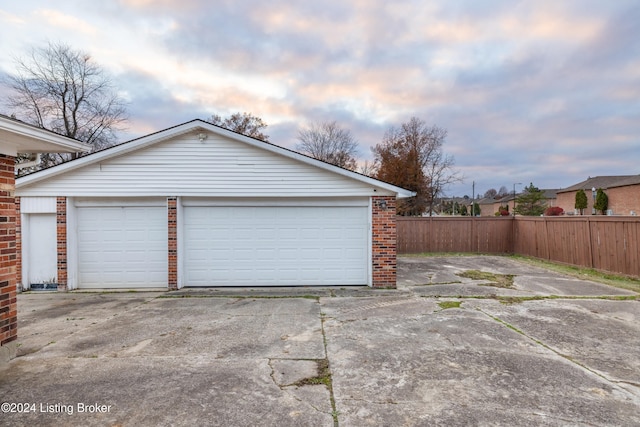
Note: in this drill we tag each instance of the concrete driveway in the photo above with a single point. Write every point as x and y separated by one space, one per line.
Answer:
340 356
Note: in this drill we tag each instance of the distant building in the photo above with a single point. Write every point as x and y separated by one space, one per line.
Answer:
623 192
490 206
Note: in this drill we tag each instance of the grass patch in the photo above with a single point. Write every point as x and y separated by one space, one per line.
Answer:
517 300
449 304
611 279
323 375
231 296
441 254
496 280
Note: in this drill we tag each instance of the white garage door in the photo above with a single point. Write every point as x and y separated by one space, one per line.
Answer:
122 247
275 246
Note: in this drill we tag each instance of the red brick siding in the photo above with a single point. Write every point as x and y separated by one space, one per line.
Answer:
8 298
61 230
18 243
383 242
172 229
622 200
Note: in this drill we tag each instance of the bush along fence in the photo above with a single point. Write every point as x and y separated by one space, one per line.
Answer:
599 242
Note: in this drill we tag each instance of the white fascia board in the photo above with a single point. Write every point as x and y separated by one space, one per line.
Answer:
25 138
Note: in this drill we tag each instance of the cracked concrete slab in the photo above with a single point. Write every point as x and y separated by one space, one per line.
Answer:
600 334
438 276
287 372
48 317
461 367
164 361
395 357
188 390
217 327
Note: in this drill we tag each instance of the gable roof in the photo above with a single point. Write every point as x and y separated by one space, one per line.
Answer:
194 126
20 137
547 194
604 182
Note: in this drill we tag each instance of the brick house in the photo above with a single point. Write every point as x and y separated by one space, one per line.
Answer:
489 206
198 205
623 193
17 137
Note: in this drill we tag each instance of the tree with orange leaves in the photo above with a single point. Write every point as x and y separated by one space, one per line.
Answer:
411 157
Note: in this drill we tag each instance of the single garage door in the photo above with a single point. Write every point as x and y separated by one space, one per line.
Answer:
275 245
122 246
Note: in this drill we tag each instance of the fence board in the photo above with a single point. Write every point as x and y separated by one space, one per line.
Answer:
600 242
454 234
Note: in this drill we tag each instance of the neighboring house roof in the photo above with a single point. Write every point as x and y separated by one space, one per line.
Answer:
198 125
487 201
20 137
603 182
548 194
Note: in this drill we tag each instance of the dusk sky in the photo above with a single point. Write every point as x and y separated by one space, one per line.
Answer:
540 91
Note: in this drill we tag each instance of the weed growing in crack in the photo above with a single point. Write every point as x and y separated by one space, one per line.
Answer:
449 304
518 300
496 280
323 375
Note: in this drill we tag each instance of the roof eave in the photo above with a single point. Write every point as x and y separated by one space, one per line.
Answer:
18 137
200 124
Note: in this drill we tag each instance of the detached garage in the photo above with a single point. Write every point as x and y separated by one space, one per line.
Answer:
198 205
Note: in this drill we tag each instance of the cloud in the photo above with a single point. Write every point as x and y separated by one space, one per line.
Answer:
10 18
531 91
65 21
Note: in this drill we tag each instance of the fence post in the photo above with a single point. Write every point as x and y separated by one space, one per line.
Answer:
546 237
513 234
590 242
474 246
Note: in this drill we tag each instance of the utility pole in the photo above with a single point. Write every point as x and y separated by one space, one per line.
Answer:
514 197
473 197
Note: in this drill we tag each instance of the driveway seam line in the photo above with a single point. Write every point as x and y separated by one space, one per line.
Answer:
547 347
334 411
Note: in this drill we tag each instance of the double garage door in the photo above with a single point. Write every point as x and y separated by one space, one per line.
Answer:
249 245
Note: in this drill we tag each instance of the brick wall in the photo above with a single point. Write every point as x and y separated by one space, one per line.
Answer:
61 231
172 244
8 298
18 243
383 242
622 200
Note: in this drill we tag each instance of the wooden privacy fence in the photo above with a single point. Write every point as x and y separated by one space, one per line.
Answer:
454 234
600 242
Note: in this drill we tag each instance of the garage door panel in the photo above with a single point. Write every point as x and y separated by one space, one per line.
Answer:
122 247
275 246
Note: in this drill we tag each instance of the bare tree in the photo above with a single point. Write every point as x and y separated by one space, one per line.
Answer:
490 193
503 191
411 157
244 123
367 168
330 143
63 90
439 174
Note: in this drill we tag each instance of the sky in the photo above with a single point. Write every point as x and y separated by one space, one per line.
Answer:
533 91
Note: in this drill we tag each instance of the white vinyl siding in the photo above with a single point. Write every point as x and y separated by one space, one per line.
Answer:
122 246
216 167
38 205
275 245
